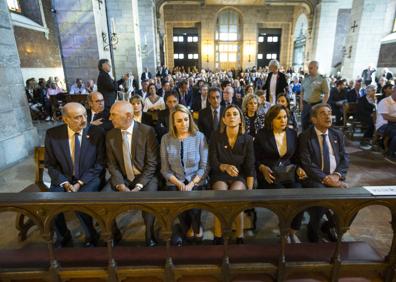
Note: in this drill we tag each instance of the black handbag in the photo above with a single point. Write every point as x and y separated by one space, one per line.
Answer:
284 173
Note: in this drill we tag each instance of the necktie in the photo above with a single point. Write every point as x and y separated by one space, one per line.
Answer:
326 156
126 153
93 117
215 120
76 155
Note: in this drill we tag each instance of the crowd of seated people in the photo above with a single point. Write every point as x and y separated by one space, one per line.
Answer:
154 140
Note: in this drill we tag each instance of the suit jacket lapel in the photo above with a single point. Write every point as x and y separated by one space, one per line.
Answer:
84 142
135 137
334 145
66 148
289 141
316 146
273 142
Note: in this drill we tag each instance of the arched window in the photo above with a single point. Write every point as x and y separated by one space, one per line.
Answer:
227 37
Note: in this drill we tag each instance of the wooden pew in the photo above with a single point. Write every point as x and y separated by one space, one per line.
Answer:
276 261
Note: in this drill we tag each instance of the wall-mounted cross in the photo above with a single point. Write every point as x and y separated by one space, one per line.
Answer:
354 26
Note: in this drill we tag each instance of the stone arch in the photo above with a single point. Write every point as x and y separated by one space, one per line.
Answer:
301 26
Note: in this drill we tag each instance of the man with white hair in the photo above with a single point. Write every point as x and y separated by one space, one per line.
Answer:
75 157
132 157
312 88
276 82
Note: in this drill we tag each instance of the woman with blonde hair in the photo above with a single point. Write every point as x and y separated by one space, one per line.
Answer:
232 162
253 120
184 164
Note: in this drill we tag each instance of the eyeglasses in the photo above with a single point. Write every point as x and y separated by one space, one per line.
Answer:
99 101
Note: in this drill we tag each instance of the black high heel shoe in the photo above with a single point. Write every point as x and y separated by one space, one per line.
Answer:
218 240
239 241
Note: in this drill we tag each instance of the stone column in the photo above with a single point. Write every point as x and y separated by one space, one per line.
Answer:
148 34
324 32
370 22
127 56
17 134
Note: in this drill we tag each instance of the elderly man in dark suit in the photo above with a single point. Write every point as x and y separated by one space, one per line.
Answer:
325 162
106 84
132 157
75 157
97 114
276 82
209 118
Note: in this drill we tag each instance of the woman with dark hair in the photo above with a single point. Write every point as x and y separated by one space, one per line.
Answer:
184 164
153 102
162 126
283 100
253 120
275 150
138 114
231 161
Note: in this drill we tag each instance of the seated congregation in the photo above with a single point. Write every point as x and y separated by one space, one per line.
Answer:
229 142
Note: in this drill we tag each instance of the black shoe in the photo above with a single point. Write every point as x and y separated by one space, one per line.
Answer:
239 241
218 240
329 231
65 241
312 235
151 243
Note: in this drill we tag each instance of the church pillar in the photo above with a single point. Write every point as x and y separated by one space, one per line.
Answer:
370 22
127 56
324 32
17 134
148 34
81 24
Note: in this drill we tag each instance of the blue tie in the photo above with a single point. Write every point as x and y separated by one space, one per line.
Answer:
326 156
77 148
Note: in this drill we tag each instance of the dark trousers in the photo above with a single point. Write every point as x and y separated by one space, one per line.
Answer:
306 115
316 214
370 128
391 133
86 220
190 218
296 223
148 218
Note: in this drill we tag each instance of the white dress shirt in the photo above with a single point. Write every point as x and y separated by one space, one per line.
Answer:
272 89
333 163
72 145
203 102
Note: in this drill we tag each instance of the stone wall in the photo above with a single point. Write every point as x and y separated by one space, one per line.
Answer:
253 18
17 134
38 54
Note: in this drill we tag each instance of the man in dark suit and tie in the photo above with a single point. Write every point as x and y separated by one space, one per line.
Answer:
106 84
200 100
97 114
146 75
75 157
132 157
209 118
185 95
276 82
325 162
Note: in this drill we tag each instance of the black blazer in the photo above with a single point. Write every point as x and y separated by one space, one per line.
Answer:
205 121
144 151
196 103
58 159
147 119
162 126
281 84
365 110
106 125
310 156
266 151
108 87
143 76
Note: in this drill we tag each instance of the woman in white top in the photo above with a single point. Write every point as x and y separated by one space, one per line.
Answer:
153 102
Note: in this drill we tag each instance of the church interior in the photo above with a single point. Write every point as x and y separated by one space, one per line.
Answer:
337 56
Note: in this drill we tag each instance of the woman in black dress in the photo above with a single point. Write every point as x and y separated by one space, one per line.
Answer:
231 162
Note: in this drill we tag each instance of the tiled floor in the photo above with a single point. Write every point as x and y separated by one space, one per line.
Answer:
367 168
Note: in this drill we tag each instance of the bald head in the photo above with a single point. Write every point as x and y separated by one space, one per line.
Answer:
75 116
228 94
96 102
121 114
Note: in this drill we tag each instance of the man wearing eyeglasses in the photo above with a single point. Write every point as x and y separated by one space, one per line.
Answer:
97 114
